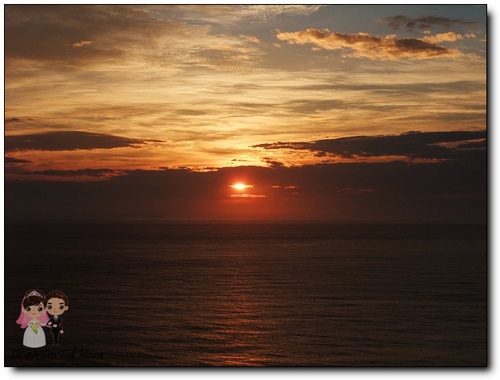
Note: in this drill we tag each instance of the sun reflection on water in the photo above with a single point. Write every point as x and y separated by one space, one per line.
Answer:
244 328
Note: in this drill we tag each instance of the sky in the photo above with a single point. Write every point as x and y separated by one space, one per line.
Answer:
319 112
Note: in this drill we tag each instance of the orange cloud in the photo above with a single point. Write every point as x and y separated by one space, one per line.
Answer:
80 44
246 196
251 39
364 45
443 37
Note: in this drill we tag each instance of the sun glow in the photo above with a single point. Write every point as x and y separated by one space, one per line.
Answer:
240 186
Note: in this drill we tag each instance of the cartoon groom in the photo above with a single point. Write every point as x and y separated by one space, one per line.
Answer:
57 304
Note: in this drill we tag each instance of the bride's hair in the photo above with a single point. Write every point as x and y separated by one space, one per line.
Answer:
31 298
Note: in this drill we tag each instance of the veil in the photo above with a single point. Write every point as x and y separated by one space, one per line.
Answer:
24 319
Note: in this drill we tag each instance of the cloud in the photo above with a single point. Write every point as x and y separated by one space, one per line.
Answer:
272 163
401 89
364 45
268 12
43 32
69 140
228 53
251 196
76 36
15 161
253 39
424 22
75 173
411 145
13 120
79 35
443 37
80 44
308 106
229 15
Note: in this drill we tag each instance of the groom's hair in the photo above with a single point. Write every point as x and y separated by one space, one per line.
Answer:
57 294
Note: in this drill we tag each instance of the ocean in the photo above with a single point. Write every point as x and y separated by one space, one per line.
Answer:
253 294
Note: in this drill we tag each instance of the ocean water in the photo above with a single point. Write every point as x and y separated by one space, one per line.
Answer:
249 294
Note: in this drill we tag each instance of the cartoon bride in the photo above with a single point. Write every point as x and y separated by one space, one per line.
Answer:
32 317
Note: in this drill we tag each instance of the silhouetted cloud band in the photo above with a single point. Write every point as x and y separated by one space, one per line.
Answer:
68 140
411 144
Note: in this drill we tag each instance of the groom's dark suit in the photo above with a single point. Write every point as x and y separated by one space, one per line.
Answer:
56 325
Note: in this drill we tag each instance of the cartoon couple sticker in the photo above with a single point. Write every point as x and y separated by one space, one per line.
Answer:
39 310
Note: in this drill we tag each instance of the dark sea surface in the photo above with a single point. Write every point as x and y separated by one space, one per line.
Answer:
243 294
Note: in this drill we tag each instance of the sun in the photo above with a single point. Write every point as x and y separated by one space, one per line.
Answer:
240 186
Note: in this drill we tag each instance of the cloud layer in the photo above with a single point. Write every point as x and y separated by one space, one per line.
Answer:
210 82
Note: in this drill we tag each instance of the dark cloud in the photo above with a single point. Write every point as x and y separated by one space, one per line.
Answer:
415 45
424 22
14 161
410 145
473 145
13 120
75 173
272 163
69 140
